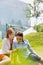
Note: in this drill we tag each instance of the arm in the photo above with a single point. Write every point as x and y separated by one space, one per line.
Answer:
31 50
5 60
5 47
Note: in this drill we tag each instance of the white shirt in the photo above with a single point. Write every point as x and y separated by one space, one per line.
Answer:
6 46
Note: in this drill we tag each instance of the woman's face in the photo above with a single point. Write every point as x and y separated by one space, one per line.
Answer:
11 36
19 39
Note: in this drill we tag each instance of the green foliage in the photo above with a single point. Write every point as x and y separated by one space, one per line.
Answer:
33 10
28 13
0 43
39 28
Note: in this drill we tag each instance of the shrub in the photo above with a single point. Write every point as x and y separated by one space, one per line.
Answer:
39 28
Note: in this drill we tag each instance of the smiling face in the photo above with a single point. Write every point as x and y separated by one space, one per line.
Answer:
19 39
10 34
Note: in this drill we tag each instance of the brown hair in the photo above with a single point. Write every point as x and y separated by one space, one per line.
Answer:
9 31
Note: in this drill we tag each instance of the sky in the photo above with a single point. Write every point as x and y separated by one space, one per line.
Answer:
9 2
27 1
9 9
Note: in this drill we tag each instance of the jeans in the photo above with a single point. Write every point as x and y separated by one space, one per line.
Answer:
34 57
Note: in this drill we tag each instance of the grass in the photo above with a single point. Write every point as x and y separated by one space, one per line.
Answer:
36 41
0 43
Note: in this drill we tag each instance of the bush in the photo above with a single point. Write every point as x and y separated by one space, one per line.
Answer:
39 28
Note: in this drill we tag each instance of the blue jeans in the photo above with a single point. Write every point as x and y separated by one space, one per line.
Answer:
34 57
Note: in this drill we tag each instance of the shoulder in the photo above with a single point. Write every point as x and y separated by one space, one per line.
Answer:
5 40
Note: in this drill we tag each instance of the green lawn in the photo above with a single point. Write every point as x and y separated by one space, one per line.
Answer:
36 41
0 43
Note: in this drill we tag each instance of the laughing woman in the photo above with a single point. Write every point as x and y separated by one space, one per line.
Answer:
6 47
8 41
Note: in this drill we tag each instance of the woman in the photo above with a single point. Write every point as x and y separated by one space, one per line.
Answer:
8 42
6 47
21 43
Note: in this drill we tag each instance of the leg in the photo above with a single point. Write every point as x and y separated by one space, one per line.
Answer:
5 59
37 58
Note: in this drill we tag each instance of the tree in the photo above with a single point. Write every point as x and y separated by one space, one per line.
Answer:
33 10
